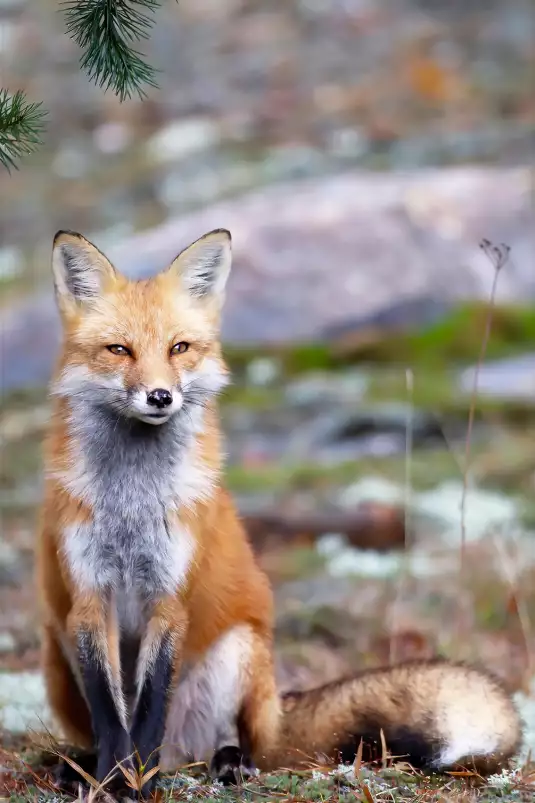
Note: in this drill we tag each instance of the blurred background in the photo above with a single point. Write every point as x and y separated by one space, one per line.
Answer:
359 151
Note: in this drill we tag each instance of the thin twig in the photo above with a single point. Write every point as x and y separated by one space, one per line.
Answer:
498 256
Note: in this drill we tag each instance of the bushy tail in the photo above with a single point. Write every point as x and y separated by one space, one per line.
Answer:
433 714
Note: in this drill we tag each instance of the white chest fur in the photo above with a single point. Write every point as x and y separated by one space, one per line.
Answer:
135 481
136 562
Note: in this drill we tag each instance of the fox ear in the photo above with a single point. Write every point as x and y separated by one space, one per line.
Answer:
80 270
204 266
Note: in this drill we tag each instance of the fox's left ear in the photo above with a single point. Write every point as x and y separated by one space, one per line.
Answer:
204 266
81 271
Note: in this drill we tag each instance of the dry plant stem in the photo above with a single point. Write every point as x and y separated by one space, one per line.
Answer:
402 582
498 256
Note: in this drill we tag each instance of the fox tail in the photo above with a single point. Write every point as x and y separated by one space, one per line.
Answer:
433 714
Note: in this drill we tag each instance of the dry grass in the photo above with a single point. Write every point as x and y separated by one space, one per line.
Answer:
23 781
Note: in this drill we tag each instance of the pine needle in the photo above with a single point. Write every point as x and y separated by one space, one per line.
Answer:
21 127
108 31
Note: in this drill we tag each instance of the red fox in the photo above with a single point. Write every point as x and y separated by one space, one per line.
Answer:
157 620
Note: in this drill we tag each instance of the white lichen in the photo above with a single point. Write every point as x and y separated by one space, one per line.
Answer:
504 780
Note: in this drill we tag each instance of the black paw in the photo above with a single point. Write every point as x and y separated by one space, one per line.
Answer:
116 784
67 778
231 766
114 752
120 789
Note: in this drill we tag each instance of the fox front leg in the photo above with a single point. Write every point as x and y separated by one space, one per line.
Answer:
100 675
158 664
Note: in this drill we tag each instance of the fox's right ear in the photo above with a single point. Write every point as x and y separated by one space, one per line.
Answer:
204 266
81 271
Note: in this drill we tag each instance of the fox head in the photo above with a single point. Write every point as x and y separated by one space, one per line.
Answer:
144 349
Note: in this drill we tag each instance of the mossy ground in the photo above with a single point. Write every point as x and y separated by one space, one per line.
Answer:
25 776
455 338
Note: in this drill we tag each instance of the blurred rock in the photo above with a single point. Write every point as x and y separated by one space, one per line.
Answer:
325 387
17 424
73 160
112 137
315 592
348 143
11 263
342 560
7 642
367 225
8 36
307 664
333 626
487 514
375 489
10 564
512 379
291 161
12 5
23 703
39 344
338 434
262 371
183 138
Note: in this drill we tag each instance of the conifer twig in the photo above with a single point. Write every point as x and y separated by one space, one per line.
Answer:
108 32
21 127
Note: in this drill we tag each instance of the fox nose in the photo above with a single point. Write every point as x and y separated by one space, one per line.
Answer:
159 398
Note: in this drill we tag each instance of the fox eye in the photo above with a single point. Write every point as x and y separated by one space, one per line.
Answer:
120 351
180 348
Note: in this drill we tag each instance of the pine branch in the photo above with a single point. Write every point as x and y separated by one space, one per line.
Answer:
21 126
106 31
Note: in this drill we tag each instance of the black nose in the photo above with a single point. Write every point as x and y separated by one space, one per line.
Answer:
159 398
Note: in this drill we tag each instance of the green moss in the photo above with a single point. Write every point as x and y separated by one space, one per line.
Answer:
22 399
293 358
527 514
427 469
13 288
251 397
457 337
298 563
19 460
275 476
435 390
